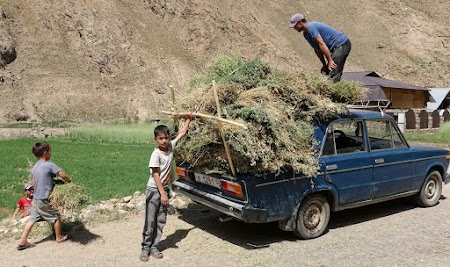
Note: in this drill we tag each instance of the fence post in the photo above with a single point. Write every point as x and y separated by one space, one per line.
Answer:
402 121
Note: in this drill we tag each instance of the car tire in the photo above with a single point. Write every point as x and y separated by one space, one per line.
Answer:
431 190
312 217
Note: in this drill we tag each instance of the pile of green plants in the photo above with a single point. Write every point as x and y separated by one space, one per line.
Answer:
68 196
277 108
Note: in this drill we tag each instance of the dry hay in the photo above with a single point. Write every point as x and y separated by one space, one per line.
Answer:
277 107
68 196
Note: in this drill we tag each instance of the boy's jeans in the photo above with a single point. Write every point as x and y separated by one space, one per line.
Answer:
155 219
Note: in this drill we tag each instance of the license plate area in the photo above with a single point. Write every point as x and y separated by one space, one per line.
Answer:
208 180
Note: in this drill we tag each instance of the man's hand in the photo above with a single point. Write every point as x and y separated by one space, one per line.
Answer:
331 65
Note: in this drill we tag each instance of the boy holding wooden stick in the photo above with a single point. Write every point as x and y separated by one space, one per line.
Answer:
157 192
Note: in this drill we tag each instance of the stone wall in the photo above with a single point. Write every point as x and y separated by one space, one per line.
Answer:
416 119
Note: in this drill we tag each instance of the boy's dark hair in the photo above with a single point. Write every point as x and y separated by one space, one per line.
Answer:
161 129
39 148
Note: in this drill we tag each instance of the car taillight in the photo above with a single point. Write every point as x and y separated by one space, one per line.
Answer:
232 188
182 172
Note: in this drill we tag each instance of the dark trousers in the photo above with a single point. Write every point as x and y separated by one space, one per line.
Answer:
339 55
155 219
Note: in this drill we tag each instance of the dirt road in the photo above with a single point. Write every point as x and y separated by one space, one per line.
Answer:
390 234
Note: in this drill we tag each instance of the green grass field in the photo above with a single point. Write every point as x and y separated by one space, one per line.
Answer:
119 133
107 168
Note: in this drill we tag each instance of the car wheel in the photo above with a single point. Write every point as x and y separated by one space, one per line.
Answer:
431 190
312 217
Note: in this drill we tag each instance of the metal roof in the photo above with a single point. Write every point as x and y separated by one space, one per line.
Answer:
439 95
375 84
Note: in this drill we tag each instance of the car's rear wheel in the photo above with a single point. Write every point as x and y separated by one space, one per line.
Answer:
312 217
430 193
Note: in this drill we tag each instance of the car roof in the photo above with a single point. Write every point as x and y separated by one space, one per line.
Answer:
320 127
363 114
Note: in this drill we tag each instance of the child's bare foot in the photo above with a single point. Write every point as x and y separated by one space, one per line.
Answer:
62 238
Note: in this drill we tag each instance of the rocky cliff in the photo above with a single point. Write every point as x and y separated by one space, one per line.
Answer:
111 59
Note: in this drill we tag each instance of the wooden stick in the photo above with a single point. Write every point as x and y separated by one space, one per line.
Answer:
202 115
174 109
225 144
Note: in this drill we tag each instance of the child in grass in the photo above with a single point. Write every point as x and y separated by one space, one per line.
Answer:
24 203
157 189
42 180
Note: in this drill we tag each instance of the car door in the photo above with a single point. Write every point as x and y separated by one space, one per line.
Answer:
394 169
347 162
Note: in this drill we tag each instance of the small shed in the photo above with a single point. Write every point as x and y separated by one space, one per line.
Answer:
442 98
393 94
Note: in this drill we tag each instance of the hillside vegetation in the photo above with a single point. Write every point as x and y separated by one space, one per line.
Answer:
103 60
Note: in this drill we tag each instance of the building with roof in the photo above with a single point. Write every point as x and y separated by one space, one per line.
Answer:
389 94
441 97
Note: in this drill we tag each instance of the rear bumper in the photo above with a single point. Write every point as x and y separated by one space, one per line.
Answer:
234 209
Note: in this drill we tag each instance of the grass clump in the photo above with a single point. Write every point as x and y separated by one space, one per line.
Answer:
68 196
277 107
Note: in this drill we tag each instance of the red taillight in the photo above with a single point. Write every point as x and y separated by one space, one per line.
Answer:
232 188
182 173
448 158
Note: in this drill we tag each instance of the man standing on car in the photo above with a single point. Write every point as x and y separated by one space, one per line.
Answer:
331 46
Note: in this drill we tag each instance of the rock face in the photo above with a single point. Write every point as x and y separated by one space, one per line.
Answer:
7 46
110 60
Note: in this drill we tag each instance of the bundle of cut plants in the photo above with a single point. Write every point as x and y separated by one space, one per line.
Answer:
278 109
68 196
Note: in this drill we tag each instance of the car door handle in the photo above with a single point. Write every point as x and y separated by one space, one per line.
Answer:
379 161
332 167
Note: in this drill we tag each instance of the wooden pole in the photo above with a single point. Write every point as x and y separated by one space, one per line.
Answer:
174 109
225 144
202 115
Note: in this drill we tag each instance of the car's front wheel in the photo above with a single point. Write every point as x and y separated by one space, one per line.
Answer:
431 190
312 217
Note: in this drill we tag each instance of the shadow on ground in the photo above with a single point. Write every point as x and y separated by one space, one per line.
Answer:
254 236
172 240
246 235
77 233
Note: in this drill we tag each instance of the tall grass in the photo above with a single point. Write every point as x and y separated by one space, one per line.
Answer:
118 133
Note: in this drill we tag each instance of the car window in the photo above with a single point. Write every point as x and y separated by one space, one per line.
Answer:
383 135
344 137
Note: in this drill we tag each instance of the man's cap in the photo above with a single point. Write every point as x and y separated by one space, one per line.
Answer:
296 18
27 186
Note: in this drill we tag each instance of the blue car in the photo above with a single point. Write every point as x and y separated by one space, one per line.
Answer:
363 159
